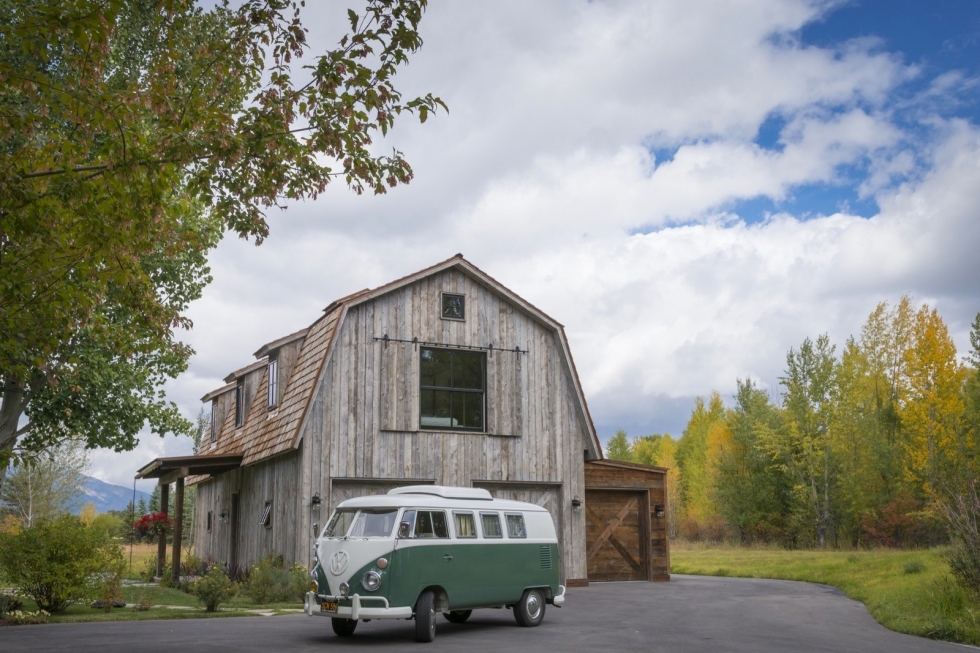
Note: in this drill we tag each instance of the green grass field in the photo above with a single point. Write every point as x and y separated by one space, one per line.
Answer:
907 591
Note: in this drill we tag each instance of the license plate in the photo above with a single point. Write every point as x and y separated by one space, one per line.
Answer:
329 606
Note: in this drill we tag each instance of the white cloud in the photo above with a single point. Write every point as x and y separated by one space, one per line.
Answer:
543 172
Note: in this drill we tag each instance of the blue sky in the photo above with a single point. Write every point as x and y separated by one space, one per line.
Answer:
691 189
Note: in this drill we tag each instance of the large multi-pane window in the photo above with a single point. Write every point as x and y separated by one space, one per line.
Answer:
273 382
452 389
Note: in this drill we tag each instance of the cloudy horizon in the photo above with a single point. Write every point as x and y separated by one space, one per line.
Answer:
690 189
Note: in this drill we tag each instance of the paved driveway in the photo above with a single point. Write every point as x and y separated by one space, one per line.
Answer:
688 614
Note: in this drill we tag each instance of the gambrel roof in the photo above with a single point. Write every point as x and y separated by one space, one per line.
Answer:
267 433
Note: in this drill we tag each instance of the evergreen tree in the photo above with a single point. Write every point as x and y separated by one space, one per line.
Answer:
619 447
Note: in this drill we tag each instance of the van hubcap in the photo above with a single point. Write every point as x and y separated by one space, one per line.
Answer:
533 605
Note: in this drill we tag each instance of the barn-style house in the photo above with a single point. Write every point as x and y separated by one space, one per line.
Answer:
445 377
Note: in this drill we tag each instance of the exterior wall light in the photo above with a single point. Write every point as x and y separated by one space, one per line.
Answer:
658 510
576 502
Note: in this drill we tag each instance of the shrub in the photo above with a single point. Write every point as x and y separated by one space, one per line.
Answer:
142 600
914 567
962 515
901 523
191 565
149 570
9 603
270 582
213 589
167 577
108 582
54 561
39 617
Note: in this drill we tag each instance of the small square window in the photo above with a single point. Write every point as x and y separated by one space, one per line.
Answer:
266 515
515 526
453 306
491 524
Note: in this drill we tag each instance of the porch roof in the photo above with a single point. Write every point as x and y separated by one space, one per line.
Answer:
182 466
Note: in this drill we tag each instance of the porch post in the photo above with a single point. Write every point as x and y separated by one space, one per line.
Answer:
178 527
162 545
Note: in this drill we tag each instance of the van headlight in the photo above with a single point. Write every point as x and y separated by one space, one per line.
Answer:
371 581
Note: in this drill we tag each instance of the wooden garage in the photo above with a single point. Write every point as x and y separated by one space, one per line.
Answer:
626 521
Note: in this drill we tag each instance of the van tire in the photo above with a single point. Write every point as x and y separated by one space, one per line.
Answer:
343 627
457 616
425 617
529 611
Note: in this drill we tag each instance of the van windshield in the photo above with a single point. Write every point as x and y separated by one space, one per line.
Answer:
374 523
339 523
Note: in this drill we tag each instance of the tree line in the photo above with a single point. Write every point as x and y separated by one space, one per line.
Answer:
866 444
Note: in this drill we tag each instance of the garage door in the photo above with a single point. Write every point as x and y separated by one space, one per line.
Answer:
614 546
348 488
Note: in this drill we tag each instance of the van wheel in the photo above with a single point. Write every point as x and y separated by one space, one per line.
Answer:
343 627
529 611
457 616
425 617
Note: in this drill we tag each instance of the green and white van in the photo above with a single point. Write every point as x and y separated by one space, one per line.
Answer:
424 549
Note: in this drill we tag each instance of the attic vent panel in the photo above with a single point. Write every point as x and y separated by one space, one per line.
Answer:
453 306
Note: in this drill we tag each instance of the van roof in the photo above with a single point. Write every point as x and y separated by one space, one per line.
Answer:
432 501
445 491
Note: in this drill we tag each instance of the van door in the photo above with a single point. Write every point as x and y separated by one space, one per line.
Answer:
424 559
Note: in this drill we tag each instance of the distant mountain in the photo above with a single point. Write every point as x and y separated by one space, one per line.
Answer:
108 497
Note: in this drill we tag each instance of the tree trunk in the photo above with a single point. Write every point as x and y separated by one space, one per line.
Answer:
12 407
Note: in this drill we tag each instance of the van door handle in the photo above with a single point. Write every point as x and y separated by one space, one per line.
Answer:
447 557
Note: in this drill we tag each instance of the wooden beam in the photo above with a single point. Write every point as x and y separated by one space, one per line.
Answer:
178 528
180 472
162 544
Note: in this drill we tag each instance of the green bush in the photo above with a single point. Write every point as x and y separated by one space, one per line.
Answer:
270 582
213 589
914 567
108 582
55 561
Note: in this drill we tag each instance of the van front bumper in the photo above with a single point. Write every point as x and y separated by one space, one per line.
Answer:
361 607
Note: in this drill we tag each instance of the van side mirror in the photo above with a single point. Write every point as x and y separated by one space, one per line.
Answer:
404 529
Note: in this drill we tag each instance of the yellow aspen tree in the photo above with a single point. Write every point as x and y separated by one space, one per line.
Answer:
934 406
661 451
692 456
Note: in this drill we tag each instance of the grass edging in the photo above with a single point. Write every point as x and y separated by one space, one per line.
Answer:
906 591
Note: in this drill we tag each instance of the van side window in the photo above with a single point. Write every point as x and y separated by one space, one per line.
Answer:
491 524
465 525
515 526
431 523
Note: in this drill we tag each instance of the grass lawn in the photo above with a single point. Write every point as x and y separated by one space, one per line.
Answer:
907 591
180 606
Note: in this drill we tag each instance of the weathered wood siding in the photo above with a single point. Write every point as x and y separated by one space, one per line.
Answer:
363 421
275 480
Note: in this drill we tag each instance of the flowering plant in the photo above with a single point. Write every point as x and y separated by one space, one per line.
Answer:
153 523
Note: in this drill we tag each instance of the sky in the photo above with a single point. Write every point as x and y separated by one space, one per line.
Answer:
690 188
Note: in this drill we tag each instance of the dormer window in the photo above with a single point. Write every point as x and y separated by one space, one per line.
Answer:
453 306
214 420
240 403
273 399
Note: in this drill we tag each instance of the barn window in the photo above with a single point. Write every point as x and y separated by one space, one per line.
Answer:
240 403
465 526
491 524
273 383
453 306
451 389
266 515
515 526
210 520
214 420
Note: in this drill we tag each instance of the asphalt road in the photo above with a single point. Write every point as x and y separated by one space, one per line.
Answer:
688 614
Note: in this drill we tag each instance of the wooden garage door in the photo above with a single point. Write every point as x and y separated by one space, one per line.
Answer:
614 546
342 489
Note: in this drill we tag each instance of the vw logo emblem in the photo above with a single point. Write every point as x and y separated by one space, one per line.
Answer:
338 563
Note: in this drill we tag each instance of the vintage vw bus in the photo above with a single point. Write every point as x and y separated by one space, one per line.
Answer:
425 549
